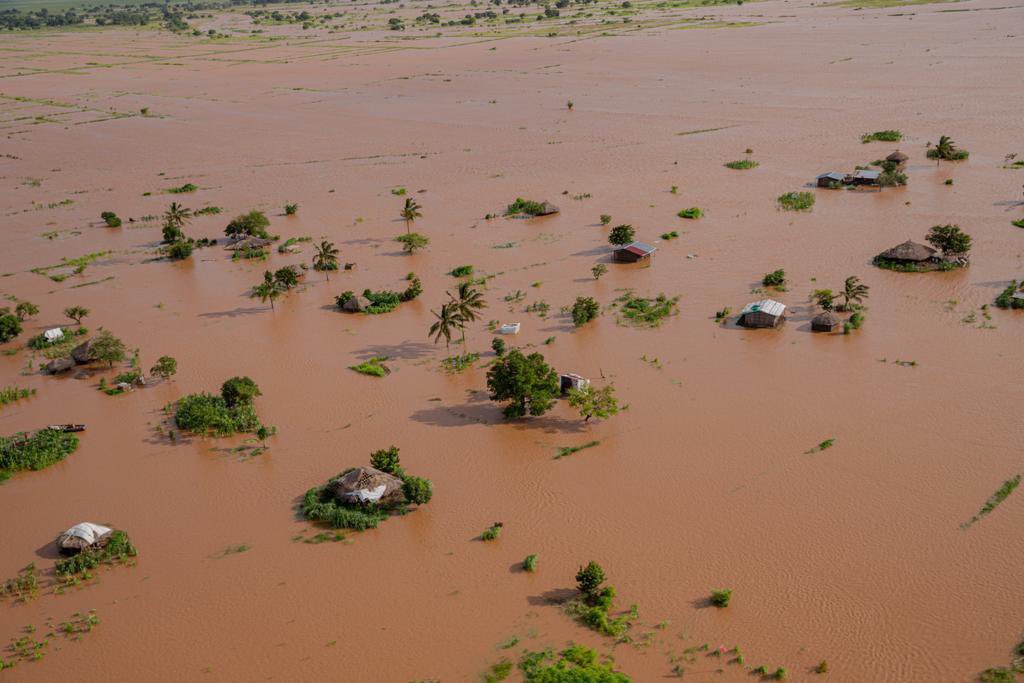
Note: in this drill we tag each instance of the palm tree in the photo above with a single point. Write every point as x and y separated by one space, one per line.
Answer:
944 149
410 212
177 215
447 318
326 258
268 290
853 291
469 301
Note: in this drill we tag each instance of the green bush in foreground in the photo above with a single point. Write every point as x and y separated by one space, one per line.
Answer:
720 597
575 664
24 451
796 201
252 224
642 312
530 564
692 213
584 310
205 413
118 550
374 367
10 327
1006 299
776 278
527 206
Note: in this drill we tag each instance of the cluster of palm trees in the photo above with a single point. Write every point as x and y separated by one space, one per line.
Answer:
456 313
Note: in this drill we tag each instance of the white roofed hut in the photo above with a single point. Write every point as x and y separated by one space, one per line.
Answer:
763 313
53 335
367 485
83 536
570 380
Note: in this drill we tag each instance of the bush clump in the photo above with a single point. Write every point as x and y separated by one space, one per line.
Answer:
252 224
1006 298
621 235
720 597
10 327
111 219
230 412
742 164
584 310
527 206
796 201
776 278
461 271
575 664
644 312
692 213
24 451
882 136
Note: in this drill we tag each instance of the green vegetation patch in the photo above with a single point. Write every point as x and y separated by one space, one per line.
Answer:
524 206
1006 298
796 201
742 164
644 312
70 266
14 394
1001 494
374 367
183 189
882 136
575 664
24 451
564 451
692 213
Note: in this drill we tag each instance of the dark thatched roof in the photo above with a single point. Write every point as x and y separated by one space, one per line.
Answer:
897 156
825 321
248 243
908 251
547 208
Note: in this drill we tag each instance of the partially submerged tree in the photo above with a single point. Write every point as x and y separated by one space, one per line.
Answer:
25 310
854 292
591 402
410 212
824 298
584 310
621 235
108 348
239 391
326 258
10 327
446 321
412 241
527 382
268 290
469 302
598 270
946 149
164 368
76 313
252 224
950 239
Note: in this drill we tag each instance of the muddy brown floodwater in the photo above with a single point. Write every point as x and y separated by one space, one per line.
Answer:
854 555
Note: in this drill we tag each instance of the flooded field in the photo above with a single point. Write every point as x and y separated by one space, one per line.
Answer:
713 476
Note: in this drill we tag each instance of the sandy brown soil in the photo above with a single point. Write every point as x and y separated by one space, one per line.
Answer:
854 555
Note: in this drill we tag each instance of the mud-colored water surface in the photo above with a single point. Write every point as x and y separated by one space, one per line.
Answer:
854 554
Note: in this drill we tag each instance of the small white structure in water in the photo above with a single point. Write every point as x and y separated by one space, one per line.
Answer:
509 328
570 380
83 536
54 335
763 313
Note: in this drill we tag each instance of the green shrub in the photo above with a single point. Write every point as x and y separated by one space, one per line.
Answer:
492 532
24 451
742 164
882 136
412 241
1018 224
417 489
14 394
205 413
584 310
1006 299
239 391
693 212
252 224
776 278
179 251
576 664
413 289
10 327
529 207
387 460
669 235
796 201
111 219
461 271
184 189
590 578
621 235
530 564
721 597
118 550
605 219
955 155
498 346
319 505
291 209
374 367
643 312
383 301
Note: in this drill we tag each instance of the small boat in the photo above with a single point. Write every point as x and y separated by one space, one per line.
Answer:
67 428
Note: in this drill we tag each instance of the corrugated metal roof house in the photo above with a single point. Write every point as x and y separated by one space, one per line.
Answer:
864 176
631 253
763 313
831 179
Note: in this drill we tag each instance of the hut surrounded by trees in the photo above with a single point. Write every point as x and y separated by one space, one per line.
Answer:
763 313
631 253
910 252
898 158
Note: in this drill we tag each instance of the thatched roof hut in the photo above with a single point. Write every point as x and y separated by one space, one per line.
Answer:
82 537
58 365
367 485
356 304
83 353
898 157
909 251
547 208
763 313
826 321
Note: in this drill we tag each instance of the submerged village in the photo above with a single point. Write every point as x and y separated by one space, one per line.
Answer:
412 401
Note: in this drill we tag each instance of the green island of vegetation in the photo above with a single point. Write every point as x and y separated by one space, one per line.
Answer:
230 412
24 451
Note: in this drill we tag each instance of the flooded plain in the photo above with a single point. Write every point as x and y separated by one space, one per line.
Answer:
709 479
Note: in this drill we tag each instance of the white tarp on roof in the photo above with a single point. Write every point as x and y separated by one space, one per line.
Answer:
509 328
53 335
87 531
368 495
769 306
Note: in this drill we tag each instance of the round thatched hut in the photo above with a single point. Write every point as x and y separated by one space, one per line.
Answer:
356 304
898 157
826 321
547 208
83 537
363 485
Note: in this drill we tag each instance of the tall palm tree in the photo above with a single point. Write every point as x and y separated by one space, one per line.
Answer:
268 290
447 318
326 258
410 212
468 303
945 148
855 291
177 215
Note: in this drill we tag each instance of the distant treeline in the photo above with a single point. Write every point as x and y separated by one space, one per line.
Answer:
118 15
